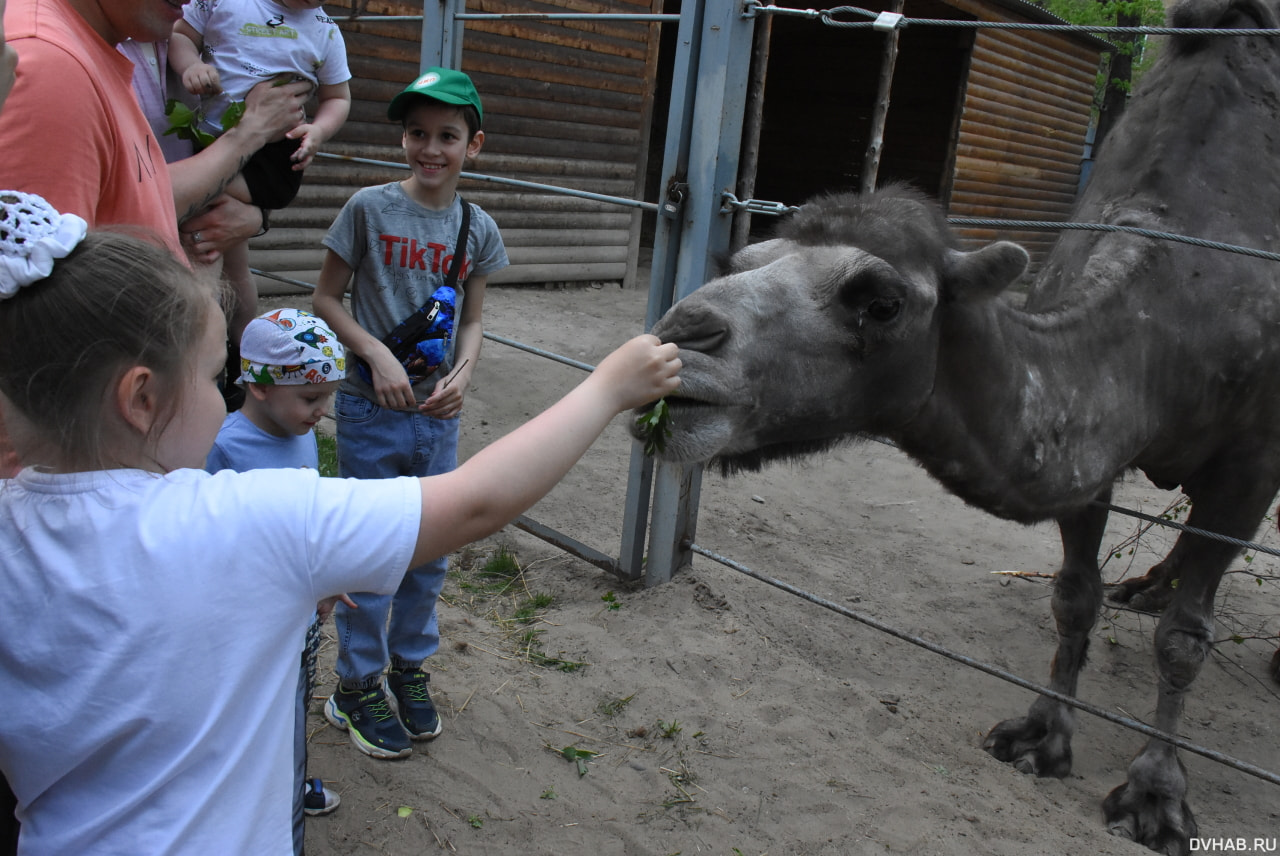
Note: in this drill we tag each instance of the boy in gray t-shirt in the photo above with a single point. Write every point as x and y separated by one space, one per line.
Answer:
394 245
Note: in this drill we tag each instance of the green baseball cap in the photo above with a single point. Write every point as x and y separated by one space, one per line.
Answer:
442 84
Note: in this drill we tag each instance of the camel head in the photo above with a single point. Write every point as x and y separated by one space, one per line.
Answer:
828 329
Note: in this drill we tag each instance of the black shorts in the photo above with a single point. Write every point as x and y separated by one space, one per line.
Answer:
272 180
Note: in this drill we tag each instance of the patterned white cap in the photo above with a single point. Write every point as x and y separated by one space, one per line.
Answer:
290 346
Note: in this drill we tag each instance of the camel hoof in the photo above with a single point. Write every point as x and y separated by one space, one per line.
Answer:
1030 748
1154 821
1123 828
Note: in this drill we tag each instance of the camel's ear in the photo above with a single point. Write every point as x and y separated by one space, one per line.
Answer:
758 255
982 273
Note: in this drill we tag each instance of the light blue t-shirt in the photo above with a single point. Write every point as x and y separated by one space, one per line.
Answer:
243 446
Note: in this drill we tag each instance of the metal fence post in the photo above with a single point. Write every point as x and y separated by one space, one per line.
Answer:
675 159
700 164
441 34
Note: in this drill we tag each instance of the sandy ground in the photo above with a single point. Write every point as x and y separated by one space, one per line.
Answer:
729 717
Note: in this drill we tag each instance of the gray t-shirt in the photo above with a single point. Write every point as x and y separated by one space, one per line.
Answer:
400 253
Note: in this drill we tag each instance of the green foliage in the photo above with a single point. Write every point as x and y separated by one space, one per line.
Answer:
503 564
579 757
538 658
670 729
1150 13
328 455
496 585
613 707
185 122
528 610
611 601
496 576
654 427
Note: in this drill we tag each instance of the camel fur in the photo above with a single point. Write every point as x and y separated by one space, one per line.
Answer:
862 316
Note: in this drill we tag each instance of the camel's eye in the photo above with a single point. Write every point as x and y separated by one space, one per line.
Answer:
884 309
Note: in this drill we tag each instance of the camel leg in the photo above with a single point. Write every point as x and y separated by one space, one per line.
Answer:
1151 806
1040 742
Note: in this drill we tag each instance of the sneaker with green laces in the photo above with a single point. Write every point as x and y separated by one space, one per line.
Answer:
369 721
413 702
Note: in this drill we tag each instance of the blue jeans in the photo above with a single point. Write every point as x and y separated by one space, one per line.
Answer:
399 630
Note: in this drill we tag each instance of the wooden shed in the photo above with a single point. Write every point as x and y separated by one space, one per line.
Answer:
993 122
566 103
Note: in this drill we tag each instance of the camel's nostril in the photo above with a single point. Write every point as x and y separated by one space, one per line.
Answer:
703 342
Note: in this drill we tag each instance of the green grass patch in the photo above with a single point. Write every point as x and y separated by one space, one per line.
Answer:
613 706
492 583
328 454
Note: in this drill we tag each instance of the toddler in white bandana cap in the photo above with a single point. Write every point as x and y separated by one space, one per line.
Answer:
290 365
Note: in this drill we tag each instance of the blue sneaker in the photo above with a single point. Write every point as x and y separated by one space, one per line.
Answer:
413 702
316 800
369 721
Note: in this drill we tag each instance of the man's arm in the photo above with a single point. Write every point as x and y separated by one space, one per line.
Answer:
270 111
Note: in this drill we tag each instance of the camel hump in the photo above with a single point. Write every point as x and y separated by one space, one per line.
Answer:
1224 15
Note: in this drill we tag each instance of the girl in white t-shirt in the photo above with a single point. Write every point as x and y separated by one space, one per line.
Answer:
151 611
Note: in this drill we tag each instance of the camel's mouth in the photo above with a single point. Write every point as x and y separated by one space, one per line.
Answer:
680 399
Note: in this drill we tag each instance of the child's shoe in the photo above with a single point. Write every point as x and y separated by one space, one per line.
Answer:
369 721
316 800
413 701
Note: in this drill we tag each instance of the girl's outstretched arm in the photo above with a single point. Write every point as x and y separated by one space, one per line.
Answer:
490 489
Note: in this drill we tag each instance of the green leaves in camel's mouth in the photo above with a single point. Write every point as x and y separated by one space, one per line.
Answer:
654 427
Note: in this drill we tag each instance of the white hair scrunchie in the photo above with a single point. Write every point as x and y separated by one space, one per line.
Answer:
33 235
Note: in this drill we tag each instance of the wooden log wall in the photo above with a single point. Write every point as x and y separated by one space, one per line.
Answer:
1020 144
566 104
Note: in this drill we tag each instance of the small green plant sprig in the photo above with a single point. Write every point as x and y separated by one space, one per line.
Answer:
654 427
613 707
185 122
579 757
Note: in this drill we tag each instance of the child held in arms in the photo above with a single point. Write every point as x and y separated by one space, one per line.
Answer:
222 49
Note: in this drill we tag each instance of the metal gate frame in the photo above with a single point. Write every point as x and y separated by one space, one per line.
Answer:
700 166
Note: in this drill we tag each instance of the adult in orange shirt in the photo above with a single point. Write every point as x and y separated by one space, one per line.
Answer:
8 62
8 823
75 89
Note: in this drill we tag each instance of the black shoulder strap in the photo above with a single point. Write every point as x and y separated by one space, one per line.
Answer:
406 334
460 245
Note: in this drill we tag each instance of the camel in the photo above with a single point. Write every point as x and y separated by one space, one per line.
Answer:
861 316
